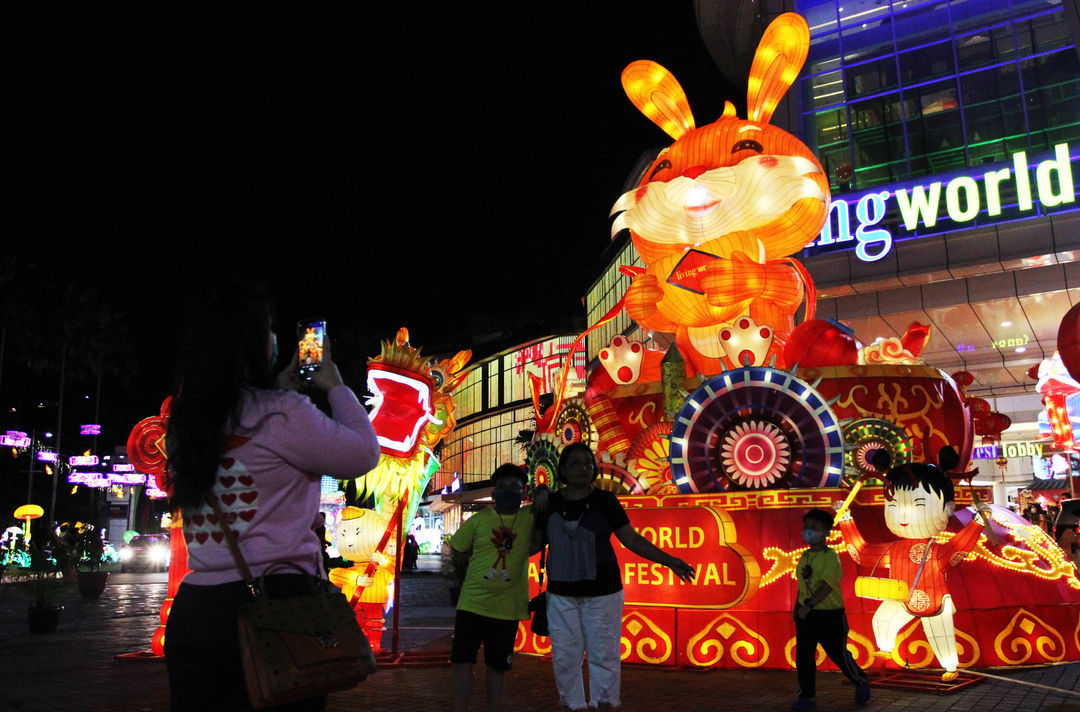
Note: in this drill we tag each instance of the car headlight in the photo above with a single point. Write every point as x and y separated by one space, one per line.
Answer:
159 554
126 554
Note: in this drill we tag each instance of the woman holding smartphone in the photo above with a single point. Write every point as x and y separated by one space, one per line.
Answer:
239 436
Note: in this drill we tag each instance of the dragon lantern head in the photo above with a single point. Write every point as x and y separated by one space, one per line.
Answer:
411 396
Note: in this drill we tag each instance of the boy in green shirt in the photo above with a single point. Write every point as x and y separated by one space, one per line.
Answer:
819 614
493 548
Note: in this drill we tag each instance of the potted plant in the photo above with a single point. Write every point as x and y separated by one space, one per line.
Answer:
89 550
44 586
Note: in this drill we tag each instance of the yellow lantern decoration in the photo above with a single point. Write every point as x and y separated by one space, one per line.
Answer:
718 215
26 513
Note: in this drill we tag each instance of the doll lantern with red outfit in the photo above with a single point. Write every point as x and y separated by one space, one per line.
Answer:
919 502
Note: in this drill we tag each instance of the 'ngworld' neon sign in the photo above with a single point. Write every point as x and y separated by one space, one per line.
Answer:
964 198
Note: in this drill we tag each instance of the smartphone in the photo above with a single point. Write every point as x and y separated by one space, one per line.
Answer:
310 336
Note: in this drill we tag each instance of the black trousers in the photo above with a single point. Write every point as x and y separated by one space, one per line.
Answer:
202 646
829 628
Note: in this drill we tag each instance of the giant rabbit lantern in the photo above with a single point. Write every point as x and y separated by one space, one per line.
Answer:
719 213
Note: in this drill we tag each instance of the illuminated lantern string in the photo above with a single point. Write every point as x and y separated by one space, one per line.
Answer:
1056 385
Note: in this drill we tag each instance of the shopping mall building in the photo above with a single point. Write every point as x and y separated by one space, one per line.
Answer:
947 130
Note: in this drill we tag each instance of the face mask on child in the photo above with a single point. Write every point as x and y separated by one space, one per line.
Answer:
506 500
812 537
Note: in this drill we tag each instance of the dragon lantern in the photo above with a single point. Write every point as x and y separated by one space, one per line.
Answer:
412 410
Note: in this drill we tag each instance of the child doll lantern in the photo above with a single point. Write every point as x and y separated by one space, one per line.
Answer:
360 532
919 502
718 215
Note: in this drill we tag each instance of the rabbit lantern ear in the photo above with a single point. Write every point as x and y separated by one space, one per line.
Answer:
657 94
779 57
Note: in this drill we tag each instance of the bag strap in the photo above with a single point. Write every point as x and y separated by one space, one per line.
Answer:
543 554
238 557
882 556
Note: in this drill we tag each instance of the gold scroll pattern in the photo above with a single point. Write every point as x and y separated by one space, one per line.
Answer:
766 499
645 639
727 634
1076 633
860 647
541 644
1025 635
891 405
912 650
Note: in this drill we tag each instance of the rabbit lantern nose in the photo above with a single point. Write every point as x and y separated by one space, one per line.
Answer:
693 172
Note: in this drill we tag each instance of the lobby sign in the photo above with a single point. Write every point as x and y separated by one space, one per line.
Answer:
1008 450
871 221
704 537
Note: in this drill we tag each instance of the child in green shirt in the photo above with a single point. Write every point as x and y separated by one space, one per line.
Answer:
819 614
493 548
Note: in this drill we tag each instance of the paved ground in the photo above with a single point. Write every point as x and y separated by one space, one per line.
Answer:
75 668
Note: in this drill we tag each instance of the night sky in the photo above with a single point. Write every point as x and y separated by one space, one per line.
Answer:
446 170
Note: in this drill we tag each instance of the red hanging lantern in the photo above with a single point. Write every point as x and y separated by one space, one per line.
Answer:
964 380
991 426
979 407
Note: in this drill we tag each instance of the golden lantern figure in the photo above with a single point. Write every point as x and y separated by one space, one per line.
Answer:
365 538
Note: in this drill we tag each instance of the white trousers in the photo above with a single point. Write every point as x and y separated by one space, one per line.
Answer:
589 626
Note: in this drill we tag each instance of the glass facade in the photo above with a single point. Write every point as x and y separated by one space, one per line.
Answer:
494 403
604 294
896 90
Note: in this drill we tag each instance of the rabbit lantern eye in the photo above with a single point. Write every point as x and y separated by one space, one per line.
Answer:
747 144
661 166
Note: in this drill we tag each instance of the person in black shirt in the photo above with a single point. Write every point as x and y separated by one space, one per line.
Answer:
584 591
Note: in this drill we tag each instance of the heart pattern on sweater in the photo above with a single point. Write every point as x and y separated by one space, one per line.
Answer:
236 493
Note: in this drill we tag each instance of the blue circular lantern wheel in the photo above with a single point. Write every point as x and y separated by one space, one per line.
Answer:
755 428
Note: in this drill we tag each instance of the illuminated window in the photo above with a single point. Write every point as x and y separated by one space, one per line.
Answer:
897 90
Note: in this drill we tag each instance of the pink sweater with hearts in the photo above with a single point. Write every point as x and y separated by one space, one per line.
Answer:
268 482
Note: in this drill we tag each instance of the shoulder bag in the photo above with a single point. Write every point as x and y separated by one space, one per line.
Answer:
298 647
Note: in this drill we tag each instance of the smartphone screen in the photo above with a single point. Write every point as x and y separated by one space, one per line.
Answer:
311 336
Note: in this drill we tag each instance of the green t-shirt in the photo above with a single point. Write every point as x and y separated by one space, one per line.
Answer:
497 580
823 566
